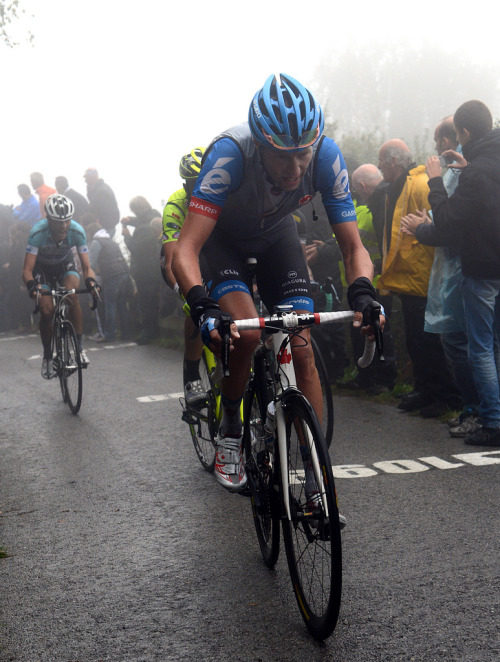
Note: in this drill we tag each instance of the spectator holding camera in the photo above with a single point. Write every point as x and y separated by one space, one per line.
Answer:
444 313
473 211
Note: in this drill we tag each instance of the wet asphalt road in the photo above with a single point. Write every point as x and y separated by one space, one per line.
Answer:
123 549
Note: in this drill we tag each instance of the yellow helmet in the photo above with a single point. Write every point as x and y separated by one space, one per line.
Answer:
190 165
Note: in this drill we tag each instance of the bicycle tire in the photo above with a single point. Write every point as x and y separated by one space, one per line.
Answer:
71 368
312 536
259 467
58 361
203 421
328 412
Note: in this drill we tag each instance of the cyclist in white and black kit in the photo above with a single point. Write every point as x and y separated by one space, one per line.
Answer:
49 260
253 177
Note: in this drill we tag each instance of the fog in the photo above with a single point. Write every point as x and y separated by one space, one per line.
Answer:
128 88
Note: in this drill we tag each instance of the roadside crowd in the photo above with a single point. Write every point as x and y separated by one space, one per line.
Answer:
433 233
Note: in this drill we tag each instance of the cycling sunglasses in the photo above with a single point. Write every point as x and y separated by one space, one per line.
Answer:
287 142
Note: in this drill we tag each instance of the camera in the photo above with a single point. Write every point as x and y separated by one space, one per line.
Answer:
444 161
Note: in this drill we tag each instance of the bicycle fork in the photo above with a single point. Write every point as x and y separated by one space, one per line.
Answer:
287 369
283 454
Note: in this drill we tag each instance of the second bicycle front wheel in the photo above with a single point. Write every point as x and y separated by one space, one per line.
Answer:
260 472
203 422
71 368
312 533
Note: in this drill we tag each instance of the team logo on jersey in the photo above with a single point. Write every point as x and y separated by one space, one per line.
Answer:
228 272
217 180
341 187
174 226
204 208
292 274
305 200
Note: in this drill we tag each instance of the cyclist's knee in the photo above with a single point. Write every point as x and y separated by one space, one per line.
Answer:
303 361
247 342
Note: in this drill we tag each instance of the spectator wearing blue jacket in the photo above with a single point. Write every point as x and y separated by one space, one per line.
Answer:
29 209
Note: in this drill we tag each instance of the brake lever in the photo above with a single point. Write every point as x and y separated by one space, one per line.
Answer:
225 334
374 315
95 298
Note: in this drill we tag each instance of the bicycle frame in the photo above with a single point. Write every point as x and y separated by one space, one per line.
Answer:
281 324
284 365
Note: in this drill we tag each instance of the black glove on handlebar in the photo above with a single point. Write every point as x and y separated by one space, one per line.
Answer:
360 295
90 283
201 305
32 287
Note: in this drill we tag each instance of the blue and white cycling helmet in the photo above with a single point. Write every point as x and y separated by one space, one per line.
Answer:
59 208
285 115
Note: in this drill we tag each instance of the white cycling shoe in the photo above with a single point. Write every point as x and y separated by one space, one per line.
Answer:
229 466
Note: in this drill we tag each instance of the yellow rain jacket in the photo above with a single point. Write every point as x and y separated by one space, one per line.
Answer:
406 266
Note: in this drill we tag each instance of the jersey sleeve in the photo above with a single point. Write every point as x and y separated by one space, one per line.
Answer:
37 237
332 181
174 214
221 174
78 237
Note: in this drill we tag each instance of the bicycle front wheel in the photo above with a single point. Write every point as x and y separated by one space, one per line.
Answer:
203 421
311 534
70 368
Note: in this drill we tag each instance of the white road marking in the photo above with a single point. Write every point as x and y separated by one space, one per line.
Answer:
159 398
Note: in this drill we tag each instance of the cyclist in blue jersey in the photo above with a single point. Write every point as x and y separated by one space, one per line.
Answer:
49 260
253 177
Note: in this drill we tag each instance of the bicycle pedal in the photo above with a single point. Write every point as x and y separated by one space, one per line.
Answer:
245 492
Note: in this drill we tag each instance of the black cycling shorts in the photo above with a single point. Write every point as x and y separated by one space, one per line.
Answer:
55 273
281 271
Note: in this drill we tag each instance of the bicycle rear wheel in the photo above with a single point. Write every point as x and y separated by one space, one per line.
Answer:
259 468
328 413
203 421
70 368
312 534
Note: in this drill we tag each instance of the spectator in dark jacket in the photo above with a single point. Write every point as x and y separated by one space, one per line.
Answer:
108 262
79 201
473 212
143 247
102 201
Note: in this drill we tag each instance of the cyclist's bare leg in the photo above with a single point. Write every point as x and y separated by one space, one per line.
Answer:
46 323
193 345
240 306
72 281
306 372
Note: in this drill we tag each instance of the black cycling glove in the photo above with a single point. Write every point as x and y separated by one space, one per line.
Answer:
90 283
32 286
201 305
360 295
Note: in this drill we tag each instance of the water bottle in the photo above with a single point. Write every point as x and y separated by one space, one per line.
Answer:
270 423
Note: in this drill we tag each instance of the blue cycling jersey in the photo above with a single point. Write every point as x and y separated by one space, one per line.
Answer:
48 252
234 189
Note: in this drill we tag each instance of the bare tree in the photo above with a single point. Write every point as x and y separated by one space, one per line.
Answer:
383 92
10 13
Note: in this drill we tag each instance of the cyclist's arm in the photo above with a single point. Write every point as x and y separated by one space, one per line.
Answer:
185 263
357 261
87 270
168 253
28 266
